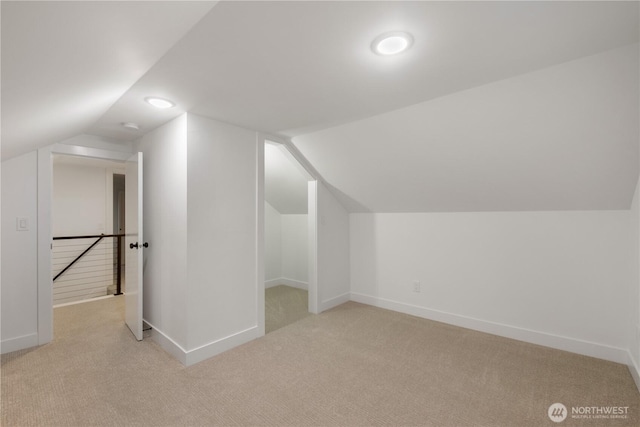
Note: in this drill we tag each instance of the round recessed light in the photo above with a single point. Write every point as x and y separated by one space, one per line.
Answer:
159 102
131 126
392 43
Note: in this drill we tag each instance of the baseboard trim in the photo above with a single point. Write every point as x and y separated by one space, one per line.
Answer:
572 345
288 282
219 346
271 283
18 343
65 304
168 344
334 302
634 369
198 354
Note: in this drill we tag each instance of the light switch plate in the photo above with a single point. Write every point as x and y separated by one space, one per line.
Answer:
22 224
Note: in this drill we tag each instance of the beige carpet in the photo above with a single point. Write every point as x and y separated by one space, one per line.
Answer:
284 305
353 365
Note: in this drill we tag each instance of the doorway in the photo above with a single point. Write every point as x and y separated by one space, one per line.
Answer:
45 229
286 238
87 225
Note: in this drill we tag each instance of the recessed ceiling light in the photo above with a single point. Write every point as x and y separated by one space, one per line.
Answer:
392 43
131 126
159 102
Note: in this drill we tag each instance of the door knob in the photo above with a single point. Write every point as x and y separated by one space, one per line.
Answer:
133 245
145 244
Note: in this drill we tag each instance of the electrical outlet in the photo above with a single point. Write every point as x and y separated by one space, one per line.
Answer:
416 286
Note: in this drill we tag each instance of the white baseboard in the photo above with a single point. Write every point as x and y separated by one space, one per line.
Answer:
288 282
572 345
334 302
193 356
18 343
219 346
634 369
64 304
271 283
168 344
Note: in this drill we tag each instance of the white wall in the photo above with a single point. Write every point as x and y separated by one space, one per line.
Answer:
556 278
19 253
333 274
633 322
165 228
200 214
272 243
286 249
222 235
295 246
79 200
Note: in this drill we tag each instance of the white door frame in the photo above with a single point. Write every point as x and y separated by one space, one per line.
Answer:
45 235
312 219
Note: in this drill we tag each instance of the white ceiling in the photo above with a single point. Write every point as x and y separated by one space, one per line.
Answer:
64 64
561 138
290 68
285 181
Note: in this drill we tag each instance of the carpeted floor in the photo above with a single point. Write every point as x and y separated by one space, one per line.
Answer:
284 305
353 365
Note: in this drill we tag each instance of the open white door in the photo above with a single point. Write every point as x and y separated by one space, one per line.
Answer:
133 245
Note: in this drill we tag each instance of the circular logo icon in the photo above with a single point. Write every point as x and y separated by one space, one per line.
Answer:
557 412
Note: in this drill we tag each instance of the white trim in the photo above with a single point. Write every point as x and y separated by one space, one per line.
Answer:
167 344
214 348
586 348
295 283
334 302
45 239
198 354
284 150
82 301
271 283
312 242
309 171
287 282
96 153
634 369
18 343
260 235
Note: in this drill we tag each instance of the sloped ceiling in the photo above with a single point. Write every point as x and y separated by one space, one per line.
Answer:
285 183
562 138
289 68
306 68
64 64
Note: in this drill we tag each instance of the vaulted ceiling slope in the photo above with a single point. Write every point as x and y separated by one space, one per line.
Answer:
285 181
64 64
562 138
288 68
